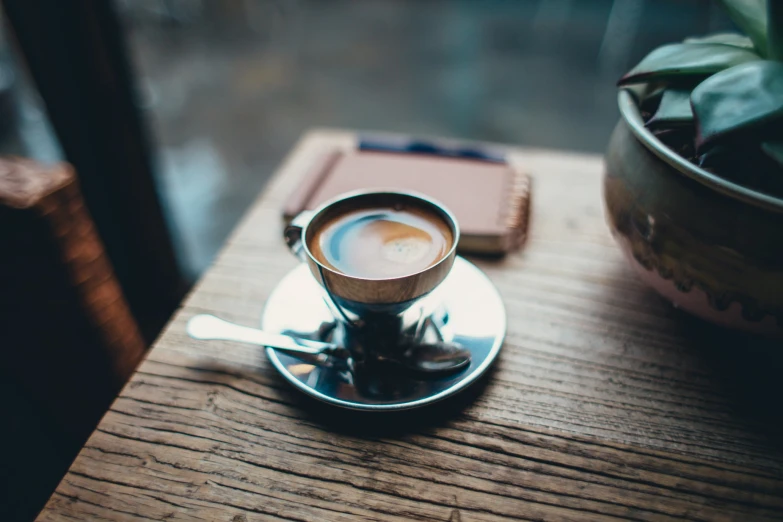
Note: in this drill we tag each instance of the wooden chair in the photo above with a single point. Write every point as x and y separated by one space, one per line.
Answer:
67 337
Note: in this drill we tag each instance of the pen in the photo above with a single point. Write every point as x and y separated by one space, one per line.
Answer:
425 147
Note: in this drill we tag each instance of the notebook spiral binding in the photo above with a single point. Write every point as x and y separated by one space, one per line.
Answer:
519 206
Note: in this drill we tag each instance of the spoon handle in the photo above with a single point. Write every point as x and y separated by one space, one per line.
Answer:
209 327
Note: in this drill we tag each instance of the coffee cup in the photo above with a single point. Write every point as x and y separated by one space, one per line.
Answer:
377 256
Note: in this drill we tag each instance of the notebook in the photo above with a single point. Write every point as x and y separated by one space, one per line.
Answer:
490 198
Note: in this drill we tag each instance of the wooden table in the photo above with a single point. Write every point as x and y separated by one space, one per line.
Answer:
605 402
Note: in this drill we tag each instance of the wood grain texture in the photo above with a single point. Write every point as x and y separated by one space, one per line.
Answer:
605 403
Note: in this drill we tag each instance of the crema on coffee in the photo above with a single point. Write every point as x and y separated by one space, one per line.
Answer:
382 242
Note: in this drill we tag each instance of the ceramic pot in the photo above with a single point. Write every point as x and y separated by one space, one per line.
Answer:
710 246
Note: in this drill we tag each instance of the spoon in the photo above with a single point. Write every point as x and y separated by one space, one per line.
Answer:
441 357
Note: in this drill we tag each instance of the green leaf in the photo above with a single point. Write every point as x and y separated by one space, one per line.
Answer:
733 39
675 61
738 100
637 91
774 149
674 109
751 17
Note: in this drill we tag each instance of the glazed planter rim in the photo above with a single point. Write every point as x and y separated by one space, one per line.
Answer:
632 116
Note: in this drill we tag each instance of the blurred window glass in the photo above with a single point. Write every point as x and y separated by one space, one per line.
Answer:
24 127
230 85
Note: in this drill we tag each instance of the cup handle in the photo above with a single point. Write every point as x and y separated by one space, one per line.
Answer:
293 233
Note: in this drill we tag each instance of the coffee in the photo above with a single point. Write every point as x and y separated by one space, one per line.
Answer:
378 243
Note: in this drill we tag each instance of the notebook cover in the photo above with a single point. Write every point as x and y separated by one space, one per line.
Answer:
490 200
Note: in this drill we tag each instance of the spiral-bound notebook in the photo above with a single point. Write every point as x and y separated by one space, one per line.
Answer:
490 199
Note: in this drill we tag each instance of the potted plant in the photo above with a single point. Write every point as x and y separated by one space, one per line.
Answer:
694 170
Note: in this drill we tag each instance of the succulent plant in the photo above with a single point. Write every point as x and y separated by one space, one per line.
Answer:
717 100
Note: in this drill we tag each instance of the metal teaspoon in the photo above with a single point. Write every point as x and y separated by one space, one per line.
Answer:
430 358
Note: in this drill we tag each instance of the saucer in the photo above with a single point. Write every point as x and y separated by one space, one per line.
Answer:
471 314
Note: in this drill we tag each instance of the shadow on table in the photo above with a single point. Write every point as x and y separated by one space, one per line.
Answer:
746 368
